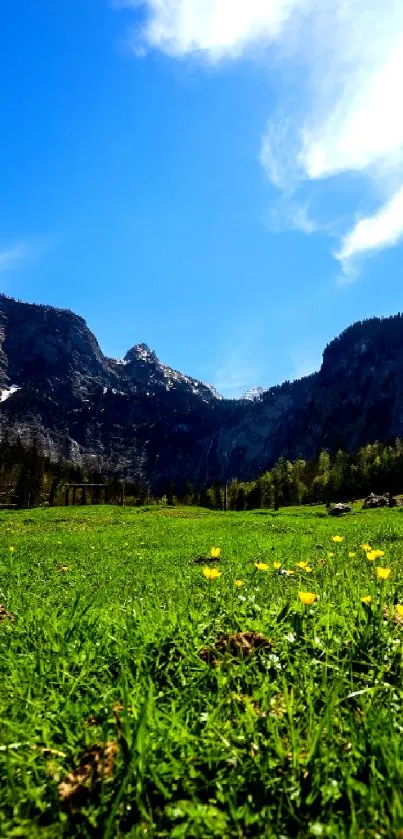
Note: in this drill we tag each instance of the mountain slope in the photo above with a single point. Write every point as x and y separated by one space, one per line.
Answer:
143 419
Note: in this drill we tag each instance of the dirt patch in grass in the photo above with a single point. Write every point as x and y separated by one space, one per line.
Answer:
5 615
393 616
205 560
96 765
239 645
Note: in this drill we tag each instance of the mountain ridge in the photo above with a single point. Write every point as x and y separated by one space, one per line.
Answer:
149 421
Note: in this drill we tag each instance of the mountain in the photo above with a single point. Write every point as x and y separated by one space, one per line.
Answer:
253 394
145 420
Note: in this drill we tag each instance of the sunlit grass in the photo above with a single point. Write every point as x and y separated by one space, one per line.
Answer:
263 698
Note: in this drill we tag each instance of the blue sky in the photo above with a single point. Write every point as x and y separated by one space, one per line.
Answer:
222 180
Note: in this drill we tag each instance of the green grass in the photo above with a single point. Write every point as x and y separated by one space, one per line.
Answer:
302 738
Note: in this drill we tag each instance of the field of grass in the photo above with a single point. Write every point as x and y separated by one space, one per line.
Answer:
140 699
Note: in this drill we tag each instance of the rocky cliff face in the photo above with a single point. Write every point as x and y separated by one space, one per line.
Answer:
145 420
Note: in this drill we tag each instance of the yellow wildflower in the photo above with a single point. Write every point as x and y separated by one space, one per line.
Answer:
338 539
304 567
11 549
238 583
351 554
399 610
372 555
307 597
277 565
215 553
289 573
383 573
367 599
261 566
366 547
211 573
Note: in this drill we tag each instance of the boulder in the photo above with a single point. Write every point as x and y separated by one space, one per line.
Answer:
339 510
373 501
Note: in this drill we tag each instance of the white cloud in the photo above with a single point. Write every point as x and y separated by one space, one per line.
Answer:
383 229
14 256
219 28
341 96
363 124
354 120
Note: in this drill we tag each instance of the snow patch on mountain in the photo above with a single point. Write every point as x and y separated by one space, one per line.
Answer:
7 392
254 394
214 391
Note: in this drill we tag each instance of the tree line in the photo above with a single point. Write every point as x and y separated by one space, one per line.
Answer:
331 477
28 479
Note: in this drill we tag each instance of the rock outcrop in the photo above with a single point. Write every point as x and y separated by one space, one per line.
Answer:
373 501
339 510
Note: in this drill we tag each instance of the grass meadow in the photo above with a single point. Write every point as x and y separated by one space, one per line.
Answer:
138 698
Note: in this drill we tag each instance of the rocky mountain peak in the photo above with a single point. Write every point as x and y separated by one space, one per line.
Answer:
142 353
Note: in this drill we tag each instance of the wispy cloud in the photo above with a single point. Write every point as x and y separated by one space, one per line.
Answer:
341 111
381 230
12 257
289 215
19 254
